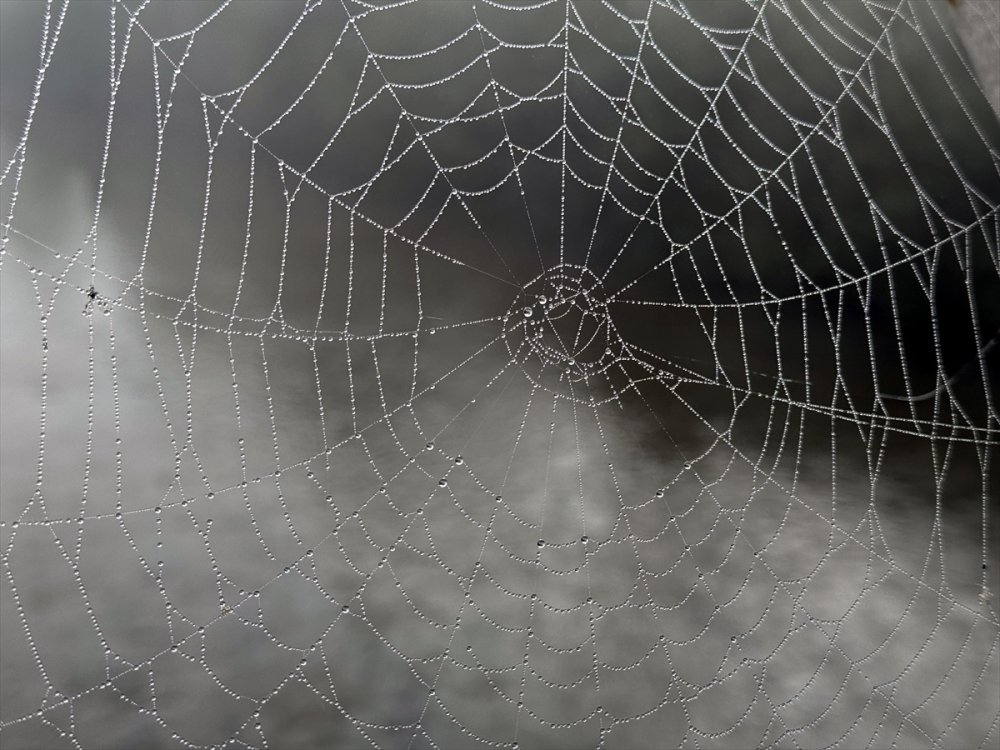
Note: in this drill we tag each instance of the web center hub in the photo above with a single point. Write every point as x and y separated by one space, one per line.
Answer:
559 330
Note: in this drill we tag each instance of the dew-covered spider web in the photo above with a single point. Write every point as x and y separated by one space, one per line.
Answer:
497 374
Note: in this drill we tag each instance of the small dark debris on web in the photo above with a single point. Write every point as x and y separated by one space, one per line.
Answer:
95 301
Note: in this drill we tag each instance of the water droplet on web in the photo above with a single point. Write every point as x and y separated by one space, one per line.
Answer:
527 312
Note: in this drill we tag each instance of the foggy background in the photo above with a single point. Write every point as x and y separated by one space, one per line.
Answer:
283 465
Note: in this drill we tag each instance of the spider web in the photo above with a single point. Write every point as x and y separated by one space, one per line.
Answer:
543 374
